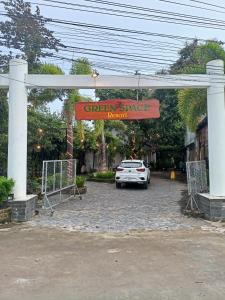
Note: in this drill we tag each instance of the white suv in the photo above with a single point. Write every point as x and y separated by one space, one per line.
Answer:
132 171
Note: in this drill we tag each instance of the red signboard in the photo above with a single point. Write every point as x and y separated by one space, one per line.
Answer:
117 109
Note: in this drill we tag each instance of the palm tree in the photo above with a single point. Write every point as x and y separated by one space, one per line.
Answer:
80 66
100 132
38 97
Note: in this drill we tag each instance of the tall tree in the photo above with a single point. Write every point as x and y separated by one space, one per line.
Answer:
100 132
39 97
166 134
25 35
186 58
81 66
26 31
46 141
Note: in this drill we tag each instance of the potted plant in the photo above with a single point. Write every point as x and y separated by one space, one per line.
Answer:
6 186
80 185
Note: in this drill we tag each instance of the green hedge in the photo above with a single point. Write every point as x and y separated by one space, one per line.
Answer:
104 175
6 186
108 176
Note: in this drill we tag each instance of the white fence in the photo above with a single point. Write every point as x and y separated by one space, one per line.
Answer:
197 180
58 181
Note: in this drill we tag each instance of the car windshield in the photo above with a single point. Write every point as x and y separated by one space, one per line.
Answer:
130 164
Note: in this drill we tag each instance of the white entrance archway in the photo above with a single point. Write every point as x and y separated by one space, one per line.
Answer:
18 80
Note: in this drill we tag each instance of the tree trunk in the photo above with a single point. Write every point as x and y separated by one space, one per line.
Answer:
69 141
103 166
69 152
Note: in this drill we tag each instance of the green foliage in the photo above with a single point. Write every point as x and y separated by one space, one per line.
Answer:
192 103
166 134
34 185
136 138
48 69
104 175
46 139
209 51
39 97
99 127
165 163
3 132
73 98
105 94
192 106
130 146
51 139
186 58
80 181
81 66
6 186
53 130
54 180
26 31
117 125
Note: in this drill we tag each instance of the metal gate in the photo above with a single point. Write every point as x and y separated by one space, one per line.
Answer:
58 181
197 181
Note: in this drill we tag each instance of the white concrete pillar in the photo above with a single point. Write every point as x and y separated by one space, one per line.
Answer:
17 132
216 128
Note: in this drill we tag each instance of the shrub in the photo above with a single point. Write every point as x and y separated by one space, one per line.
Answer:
80 181
34 185
105 175
56 179
6 186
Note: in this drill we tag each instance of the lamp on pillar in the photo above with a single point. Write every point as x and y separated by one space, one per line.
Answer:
95 74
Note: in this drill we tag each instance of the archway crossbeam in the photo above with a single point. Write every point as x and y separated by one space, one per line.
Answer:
113 81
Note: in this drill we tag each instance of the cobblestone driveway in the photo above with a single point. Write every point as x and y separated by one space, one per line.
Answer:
107 209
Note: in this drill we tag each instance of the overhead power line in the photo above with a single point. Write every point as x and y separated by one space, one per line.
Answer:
209 4
122 33
192 6
140 50
114 43
118 29
159 15
103 33
125 30
136 55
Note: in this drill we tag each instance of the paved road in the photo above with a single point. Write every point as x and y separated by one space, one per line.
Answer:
51 264
107 209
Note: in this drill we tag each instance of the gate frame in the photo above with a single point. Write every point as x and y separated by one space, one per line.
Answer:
18 80
44 184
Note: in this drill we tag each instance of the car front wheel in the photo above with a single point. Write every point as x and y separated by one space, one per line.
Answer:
145 185
118 185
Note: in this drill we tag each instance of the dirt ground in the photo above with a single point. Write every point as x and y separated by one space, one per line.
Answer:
47 264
